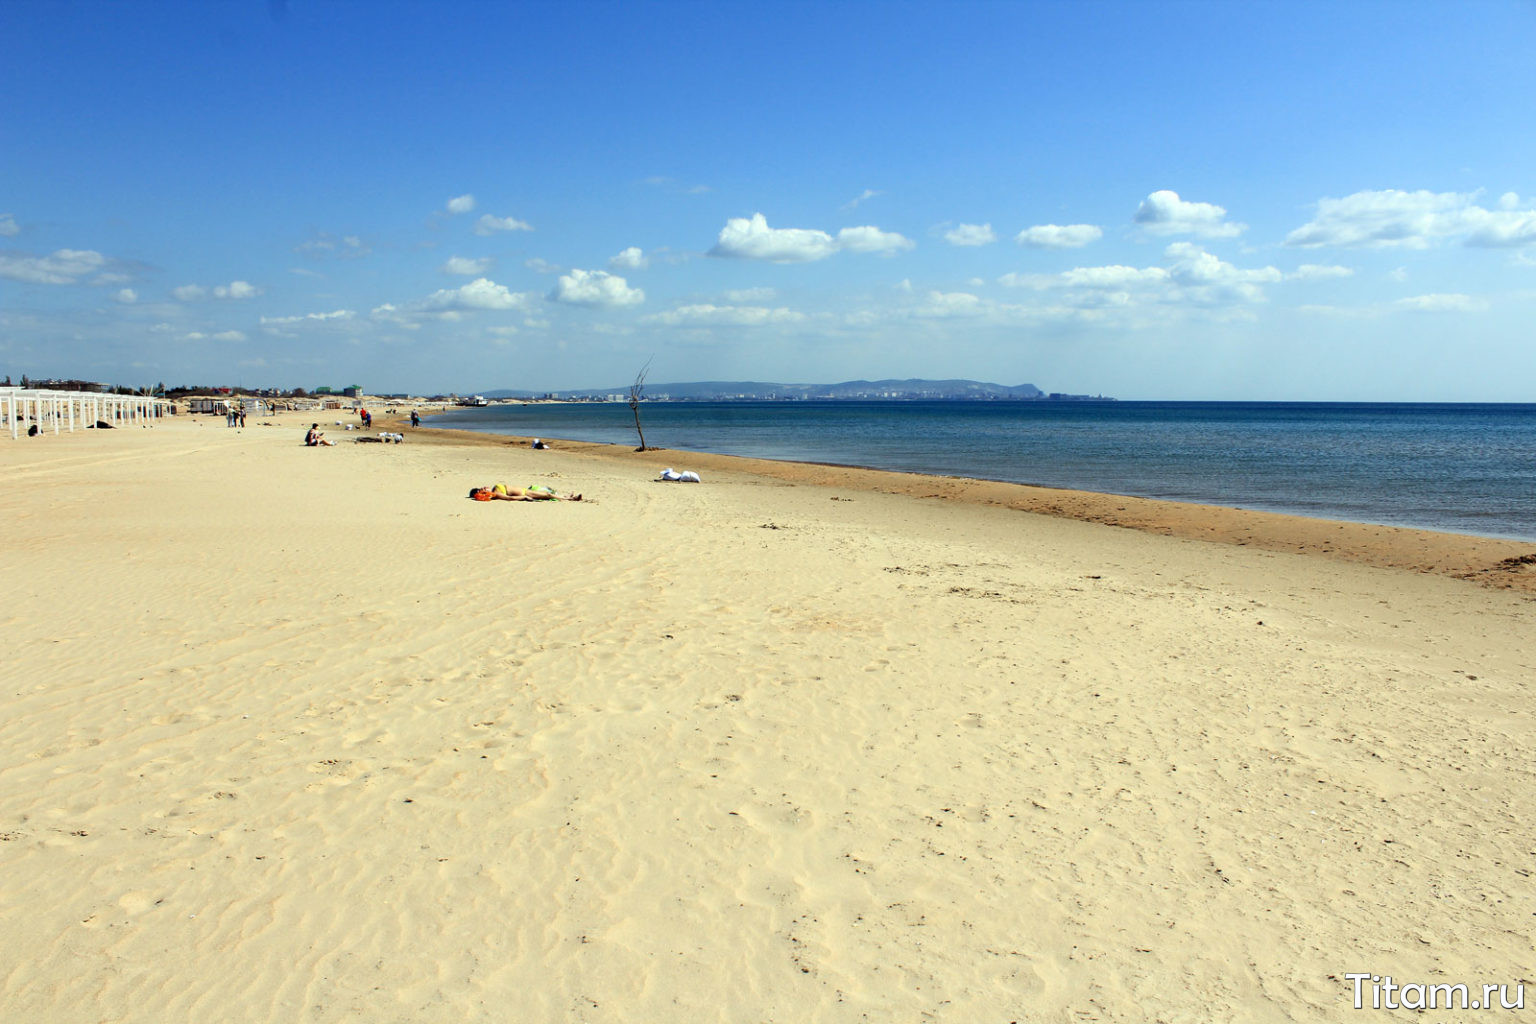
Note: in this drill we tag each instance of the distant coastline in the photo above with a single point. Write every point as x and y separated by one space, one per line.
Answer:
911 389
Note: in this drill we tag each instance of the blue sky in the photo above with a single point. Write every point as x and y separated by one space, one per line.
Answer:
1310 201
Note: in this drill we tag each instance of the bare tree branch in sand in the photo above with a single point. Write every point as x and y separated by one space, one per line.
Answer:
636 391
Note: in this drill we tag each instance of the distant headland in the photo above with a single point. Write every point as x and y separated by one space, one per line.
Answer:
851 390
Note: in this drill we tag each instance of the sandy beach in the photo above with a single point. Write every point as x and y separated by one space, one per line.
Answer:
294 734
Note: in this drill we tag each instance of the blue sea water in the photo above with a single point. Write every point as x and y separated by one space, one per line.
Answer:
1458 468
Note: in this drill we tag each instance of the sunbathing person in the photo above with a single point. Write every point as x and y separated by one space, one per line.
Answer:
534 492
316 436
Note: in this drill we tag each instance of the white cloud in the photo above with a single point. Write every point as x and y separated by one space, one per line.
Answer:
1502 229
445 304
595 288
1443 303
8 226
751 238
236 290
1059 236
1192 276
632 258
947 305
1319 272
970 234
1204 279
1112 276
127 296
489 225
391 313
1164 213
233 290
461 204
1387 218
335 314
1390 218
467 267
1192 264
750 295
325 244
64 266
870 239
221 336
543 266
706 315
481 293
868 193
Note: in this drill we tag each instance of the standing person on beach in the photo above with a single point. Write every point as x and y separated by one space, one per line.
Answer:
415 418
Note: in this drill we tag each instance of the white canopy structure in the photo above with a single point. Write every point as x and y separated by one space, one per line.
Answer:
22 408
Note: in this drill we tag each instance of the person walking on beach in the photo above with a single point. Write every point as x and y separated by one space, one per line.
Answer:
415 418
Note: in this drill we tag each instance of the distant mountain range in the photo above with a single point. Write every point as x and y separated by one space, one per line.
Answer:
751 390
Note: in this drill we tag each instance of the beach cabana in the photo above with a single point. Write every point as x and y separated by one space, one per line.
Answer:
58 411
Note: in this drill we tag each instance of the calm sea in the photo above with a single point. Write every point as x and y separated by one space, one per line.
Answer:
1460 468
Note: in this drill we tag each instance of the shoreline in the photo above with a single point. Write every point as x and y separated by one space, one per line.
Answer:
1463 470
1490 561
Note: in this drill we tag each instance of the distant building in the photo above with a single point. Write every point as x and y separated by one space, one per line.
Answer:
202 403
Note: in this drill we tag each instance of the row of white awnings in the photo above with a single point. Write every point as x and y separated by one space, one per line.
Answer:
58 411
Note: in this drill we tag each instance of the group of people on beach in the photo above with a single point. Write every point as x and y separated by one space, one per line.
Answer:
499 492
538 492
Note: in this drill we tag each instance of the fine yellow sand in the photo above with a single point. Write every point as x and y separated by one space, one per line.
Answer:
291 734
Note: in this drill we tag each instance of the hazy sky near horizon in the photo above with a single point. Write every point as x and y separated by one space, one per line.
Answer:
1309 201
